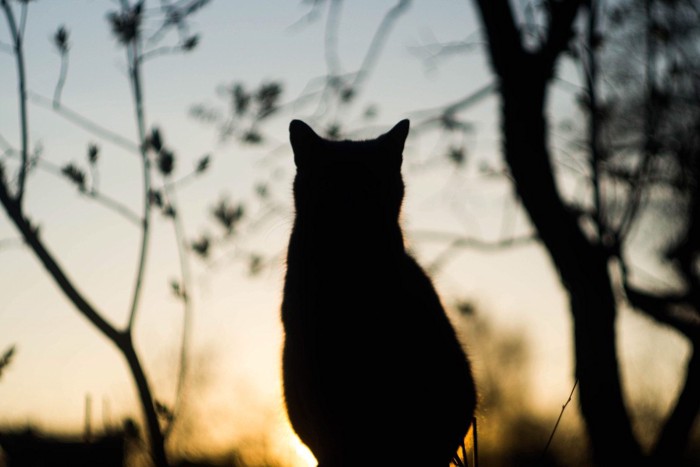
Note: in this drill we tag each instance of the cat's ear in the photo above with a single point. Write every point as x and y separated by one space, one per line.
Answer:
304 141
395 139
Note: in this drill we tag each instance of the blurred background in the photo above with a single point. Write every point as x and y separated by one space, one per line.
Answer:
201 94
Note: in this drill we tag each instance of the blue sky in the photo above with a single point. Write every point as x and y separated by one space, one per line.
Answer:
237 334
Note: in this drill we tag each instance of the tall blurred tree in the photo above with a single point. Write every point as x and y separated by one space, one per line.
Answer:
524 73
649 146
584 241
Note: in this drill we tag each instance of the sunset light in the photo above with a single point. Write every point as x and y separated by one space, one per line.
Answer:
285 233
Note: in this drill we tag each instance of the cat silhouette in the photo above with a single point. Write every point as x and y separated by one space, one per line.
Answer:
373 371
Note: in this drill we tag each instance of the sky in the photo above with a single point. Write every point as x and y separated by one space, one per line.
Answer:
236 331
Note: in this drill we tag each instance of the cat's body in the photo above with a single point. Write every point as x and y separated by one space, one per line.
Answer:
373 371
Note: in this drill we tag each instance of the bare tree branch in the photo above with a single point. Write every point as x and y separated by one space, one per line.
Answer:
341 87
115 206
503 35
85 123
331 38
670 309
310 16
431 52
378 41
135 79
459 242
186 281
6 358
30 234
561 17
650 122
101 198
61 42
22 91
436 114
556 425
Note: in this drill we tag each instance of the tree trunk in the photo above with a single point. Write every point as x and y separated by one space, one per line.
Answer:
674 437
582 266
524 78
155 434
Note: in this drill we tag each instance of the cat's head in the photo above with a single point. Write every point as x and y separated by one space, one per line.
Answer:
355 179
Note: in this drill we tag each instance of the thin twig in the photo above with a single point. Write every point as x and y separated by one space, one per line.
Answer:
30 234
185 179
61 80
331 38
115 206
649 132
22 89
594 120
186 282
135 75
556 425
23 19
157 443
457 242
472 242
309 17
159 52
432 115
105 200
378 41
85 123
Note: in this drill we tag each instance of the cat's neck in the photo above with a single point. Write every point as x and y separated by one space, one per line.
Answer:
348 236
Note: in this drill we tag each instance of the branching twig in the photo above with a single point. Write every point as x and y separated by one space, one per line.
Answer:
30 234
130 35
105 200
556 425
670 309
